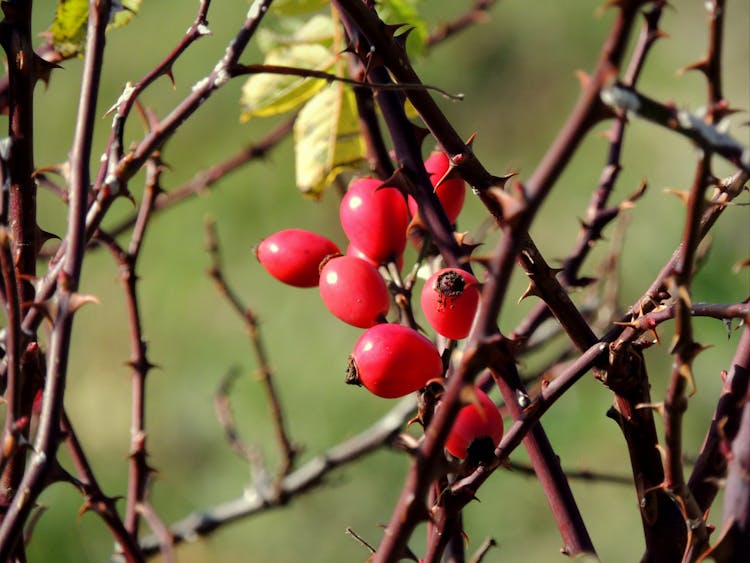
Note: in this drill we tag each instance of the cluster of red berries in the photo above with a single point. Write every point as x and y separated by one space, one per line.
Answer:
390 360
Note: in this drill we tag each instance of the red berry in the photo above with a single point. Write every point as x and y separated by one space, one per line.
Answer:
293 256
352 250
393 360
449 300
476 422
451 193
375 219
354 291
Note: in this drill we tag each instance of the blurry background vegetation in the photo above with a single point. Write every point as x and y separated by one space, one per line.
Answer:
517 72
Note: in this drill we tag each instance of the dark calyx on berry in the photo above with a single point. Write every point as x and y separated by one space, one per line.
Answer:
352 375
449 285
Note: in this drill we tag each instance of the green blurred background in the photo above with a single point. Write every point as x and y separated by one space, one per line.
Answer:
518 74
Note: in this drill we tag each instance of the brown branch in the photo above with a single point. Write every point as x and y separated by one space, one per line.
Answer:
161 531
133 160
223 409
711 463
242 70
656 294
205 180
287 449
736 518
45 52
95 498
16 40
300 481
15 36
116 177
124 105
711 65
703 134
681 380
587 475
477 13
466 488
412 176
48 435
483 550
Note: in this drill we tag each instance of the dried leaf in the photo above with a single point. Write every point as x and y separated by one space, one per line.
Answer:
327 139
271 94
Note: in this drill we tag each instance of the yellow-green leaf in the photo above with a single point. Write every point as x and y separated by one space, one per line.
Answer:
68 30
296 7
270 94
327 139
122 16
318 29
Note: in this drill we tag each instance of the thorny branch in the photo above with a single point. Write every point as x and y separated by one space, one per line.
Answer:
48 435
265 373
669 506
300 481
139 363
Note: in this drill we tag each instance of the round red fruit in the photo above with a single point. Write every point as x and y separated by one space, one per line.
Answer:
375 219
477 425
354 291
449 300
451 193
352 250
293 256
393 360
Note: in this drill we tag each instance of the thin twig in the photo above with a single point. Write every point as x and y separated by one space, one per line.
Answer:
241 70
287 449
300 481
477 13
166 545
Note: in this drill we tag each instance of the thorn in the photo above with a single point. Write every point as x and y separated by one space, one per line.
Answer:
510 206
466 243
43 236
531 290
700 66
43 69
583 78
682 194
400 39
126 93
78 300
639 192
658 407
398 180
85 507
686 372
741 264
607 5
450 174
470 141
169 74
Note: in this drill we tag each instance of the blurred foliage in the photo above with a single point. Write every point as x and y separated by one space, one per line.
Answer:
517 73
68 30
